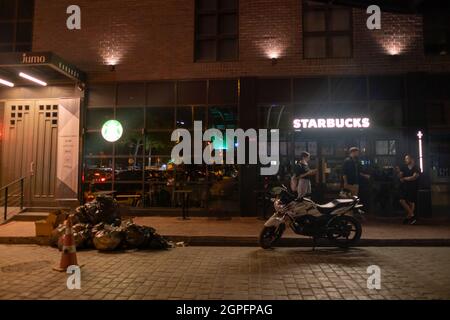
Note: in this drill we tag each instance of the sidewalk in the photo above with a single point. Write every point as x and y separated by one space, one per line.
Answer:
245 231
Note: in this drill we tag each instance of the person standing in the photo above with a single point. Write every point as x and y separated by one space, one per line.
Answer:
351 172
302 174
409 175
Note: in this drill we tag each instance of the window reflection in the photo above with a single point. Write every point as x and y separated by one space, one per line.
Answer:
130 118
184 117
97 117
160 118
130 144
96 145
158 143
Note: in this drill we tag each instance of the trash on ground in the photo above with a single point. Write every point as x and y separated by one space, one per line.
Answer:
98 225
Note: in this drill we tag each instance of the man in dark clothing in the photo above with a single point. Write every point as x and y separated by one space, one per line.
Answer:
351 172
409 175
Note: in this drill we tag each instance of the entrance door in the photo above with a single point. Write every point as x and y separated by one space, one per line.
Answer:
30 145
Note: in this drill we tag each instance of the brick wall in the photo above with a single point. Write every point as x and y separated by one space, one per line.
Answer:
154 39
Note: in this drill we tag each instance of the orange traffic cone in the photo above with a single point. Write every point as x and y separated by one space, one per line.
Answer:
69 252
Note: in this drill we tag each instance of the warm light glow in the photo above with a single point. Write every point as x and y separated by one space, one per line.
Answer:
112 130
28 77
273 54
6 83
420 136
393 50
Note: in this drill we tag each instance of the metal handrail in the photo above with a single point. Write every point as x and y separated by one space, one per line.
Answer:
12 183
6 188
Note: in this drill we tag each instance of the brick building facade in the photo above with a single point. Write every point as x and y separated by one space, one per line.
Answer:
288 58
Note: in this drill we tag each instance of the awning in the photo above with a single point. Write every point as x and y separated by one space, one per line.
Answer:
44 66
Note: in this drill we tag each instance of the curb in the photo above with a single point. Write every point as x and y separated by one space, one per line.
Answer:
219 241
304 242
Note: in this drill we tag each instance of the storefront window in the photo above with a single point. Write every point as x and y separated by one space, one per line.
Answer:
96 145
160 118
138 167
386 147
95 118
130 118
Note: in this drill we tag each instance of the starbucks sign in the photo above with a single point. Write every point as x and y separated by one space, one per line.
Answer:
112 130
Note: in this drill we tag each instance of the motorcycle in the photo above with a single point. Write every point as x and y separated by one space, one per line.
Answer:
338 221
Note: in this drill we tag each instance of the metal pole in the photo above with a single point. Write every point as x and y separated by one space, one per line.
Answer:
6 202
21 194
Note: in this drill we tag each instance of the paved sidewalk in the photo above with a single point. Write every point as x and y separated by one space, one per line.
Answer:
245 231
228 273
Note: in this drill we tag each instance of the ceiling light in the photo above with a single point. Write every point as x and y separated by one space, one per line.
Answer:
6 83
26 76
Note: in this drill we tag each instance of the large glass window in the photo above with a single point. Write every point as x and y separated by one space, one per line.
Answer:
16 25
436 32
138 167
216 30
327 31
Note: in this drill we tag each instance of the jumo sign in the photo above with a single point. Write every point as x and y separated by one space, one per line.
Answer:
330 123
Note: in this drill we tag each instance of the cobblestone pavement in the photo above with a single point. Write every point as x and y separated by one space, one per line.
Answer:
228 273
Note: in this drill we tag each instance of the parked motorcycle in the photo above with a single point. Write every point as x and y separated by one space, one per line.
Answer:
337 221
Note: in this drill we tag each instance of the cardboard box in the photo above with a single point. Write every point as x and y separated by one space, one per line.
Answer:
45 227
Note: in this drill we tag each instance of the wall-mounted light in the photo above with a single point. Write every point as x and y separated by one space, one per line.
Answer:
420 136
6 83
273 55
33 79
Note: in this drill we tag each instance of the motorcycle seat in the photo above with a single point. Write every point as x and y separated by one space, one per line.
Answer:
335 204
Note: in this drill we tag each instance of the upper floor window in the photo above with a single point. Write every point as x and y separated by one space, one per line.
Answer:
16 25
216 30
327 31
436 32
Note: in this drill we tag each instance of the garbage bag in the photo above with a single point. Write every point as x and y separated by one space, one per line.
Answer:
107 239
103 209
158 242
83 235
134 235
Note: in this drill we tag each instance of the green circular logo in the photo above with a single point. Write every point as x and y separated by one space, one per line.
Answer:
112 130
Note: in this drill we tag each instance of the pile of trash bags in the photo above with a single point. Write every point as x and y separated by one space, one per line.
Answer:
98 225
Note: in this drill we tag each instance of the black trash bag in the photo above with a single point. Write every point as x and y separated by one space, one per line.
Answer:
134 235
158 242
98 227
103 209
83 235
108 210
108 239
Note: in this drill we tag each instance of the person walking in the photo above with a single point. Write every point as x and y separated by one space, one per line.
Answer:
409 175
351 172
302 174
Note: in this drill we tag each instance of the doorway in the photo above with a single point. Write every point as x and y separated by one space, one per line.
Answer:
30 148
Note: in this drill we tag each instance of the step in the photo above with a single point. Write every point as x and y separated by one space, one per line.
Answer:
30 216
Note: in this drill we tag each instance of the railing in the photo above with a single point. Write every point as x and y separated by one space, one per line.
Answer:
12 196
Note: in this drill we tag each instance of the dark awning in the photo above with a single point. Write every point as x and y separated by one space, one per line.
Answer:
45 66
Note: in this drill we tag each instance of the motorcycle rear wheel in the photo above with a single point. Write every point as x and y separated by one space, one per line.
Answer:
270 235
344 231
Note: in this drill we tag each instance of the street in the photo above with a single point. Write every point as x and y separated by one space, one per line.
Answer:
229 273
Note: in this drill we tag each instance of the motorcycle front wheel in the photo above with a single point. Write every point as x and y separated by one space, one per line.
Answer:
344 231
270 235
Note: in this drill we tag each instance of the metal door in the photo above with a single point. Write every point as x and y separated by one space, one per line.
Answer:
30 146
45 143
